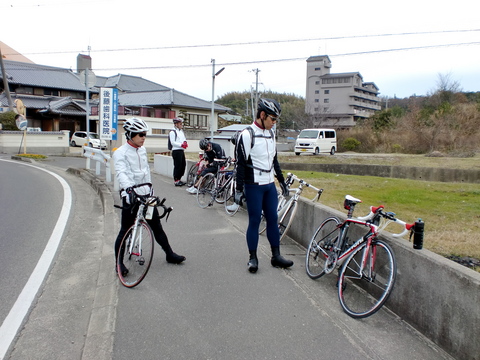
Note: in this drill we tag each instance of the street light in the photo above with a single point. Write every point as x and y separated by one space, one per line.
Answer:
214 74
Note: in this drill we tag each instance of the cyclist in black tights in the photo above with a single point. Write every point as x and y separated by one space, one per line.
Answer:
257 166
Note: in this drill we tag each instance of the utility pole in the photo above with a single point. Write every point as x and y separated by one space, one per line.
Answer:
5 82
256 86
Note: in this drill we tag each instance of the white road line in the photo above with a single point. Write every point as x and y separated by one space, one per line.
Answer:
20 309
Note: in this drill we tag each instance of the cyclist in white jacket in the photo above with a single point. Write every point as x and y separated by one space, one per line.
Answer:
179 145
257 167
131 168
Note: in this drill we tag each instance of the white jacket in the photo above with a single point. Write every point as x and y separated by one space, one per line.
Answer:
177 143
131 167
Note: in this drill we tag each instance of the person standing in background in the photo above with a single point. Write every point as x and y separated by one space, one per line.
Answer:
179 144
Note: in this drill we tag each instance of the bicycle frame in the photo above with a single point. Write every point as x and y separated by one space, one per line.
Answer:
138 219
341 252
282 201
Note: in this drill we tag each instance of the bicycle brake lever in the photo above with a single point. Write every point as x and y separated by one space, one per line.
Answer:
168 213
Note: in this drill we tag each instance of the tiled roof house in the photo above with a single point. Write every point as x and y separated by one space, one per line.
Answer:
55 99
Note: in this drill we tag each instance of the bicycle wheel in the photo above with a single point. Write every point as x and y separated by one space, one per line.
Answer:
223 178
139 260
192 175
231 207
206 190
362 292
321 246
285 221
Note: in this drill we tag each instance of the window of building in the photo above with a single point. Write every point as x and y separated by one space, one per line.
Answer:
317 82
318 69
160 131
317 100
326 101
24 90
196 121
326 91
317 91
51 92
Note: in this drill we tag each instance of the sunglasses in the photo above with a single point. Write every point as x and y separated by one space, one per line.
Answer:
274 119
142 134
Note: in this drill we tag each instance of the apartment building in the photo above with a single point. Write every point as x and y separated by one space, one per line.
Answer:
337 100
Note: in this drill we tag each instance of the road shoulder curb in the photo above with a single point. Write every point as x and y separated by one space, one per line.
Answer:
101 328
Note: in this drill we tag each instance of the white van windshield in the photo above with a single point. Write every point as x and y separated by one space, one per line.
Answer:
308 134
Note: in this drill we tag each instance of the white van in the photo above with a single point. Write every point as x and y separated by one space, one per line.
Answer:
316 141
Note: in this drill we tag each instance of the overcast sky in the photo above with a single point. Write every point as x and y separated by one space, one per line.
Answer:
173 42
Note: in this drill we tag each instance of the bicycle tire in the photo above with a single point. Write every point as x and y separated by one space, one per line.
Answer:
231 208
360 294
205 191
324 239
137 264
222 180
285 221
192 175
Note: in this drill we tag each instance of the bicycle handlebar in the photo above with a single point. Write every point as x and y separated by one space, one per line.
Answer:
303 183
389 216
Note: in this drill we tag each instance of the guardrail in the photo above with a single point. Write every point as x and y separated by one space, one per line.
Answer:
100 157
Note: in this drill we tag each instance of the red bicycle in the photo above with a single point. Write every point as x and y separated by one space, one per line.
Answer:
195 170
367 266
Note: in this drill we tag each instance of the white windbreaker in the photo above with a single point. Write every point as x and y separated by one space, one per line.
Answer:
180 138
257 164
131 167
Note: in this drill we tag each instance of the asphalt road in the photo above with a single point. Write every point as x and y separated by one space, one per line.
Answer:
31 203
210 307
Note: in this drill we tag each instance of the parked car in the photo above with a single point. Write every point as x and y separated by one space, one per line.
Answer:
316 141
79 138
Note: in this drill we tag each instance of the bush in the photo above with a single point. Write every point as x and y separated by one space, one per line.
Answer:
351 144
8 121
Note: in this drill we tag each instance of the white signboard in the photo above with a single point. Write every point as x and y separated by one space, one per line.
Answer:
108 113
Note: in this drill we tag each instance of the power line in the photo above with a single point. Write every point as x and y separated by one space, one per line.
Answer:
258 42
291 59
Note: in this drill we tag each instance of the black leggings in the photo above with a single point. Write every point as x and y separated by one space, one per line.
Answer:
128 218
179 164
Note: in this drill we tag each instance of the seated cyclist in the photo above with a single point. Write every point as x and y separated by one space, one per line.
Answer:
212 153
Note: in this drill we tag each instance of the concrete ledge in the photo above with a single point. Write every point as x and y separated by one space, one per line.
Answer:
101 328
438 297
400 172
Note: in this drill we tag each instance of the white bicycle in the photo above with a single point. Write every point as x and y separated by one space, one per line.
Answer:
287 208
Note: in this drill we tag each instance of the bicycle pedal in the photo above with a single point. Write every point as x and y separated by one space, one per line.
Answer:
141 261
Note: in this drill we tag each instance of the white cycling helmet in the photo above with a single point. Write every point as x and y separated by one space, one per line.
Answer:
134 125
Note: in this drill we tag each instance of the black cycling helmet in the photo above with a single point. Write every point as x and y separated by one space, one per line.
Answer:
204 144
270 106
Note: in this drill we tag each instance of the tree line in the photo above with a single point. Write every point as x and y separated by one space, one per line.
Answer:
445 121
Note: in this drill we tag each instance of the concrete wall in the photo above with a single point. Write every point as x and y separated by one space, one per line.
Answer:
401 172
44 142
438 297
